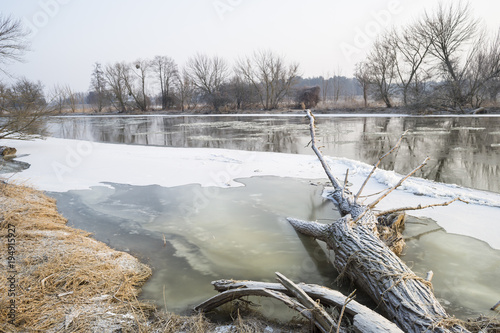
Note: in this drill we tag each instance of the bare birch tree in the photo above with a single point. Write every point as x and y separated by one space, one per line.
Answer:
71 99
483 70
23 107
325 85
337 84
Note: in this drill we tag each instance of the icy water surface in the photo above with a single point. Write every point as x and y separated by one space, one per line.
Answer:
242 233
463 150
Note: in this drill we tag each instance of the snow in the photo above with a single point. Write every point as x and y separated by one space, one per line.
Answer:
60 165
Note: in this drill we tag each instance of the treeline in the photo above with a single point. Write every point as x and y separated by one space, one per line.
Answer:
445 59
263 80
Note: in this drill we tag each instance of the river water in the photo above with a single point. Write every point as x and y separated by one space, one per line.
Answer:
463 150
242 233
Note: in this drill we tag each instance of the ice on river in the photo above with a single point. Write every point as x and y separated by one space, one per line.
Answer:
60 165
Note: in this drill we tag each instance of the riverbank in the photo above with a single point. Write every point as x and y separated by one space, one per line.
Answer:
59 279
371 110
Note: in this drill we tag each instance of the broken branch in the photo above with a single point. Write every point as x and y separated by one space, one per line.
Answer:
396 210
325 165
373 204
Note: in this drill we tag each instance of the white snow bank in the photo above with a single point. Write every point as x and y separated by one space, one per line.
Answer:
61 165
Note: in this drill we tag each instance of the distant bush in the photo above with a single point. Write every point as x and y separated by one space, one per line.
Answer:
308 97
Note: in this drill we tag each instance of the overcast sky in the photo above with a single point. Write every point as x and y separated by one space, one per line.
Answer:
324 36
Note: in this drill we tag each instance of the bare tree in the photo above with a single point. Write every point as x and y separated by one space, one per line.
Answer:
381 68
23 110
209 75
337 84
166 70
22 106
57 96
12 41
308 96
98 88
185 89
411 52
270 75
325 84
71 98
114 78
363 77
243 93
483 70
134 77
451 30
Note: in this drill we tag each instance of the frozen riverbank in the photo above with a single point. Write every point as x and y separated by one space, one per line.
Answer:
62 165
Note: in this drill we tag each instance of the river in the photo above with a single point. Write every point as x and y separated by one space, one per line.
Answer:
242 233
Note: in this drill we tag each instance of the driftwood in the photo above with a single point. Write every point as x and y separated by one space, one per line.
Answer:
496 306
363 319
365 259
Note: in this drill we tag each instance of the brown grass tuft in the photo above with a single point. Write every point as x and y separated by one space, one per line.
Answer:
64 280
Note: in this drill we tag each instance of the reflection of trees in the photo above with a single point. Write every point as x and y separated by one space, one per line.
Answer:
460 148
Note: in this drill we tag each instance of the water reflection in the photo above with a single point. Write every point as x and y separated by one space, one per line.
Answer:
463 150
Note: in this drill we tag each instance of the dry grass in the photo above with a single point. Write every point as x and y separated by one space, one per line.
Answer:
65 281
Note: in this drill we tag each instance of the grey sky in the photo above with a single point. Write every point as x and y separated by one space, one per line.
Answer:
324 36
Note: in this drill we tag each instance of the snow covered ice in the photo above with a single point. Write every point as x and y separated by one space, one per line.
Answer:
61 165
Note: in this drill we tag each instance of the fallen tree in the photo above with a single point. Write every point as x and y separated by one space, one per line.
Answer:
367 260
366 244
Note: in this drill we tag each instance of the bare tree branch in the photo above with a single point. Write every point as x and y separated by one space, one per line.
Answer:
396 210
375 166
373 204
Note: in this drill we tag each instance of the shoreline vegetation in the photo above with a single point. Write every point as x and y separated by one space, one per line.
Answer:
59 279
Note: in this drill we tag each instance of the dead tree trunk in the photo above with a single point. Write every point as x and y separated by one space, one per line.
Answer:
363 319
364 258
